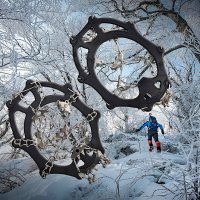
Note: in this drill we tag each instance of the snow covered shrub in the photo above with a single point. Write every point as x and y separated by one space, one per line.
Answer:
184 120
120 145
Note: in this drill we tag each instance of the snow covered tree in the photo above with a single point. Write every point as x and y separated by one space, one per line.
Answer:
175 26
34 45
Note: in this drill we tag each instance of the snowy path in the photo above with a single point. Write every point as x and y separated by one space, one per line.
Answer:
138 176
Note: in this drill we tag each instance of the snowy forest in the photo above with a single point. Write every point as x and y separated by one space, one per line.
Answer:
36 48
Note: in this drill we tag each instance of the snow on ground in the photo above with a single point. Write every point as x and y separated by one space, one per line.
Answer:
141 175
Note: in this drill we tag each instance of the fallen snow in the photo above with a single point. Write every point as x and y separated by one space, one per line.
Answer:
138 176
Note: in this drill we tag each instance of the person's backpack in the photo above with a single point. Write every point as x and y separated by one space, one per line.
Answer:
153 123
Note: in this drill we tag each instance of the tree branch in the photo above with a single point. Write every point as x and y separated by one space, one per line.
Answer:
173 49
181 24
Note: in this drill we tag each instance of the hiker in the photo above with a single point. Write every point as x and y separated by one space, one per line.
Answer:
152 125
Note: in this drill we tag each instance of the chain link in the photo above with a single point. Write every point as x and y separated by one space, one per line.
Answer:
79 149
73 97
48 167
101 158
90 117
24 142
64 106
37 84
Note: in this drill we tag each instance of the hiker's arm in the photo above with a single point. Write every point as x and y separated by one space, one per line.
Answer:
141 127
161 128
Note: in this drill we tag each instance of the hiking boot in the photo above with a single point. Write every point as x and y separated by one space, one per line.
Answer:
151 148
158 149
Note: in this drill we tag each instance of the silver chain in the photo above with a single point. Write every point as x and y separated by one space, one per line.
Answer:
90 117
68 102
48 167
73 97
24 142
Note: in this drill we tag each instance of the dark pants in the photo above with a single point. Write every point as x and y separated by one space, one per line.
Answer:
153 134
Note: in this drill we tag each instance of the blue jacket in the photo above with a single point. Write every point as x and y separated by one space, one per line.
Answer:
148 124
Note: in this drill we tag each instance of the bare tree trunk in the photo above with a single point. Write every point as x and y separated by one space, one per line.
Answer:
196 182
185 188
